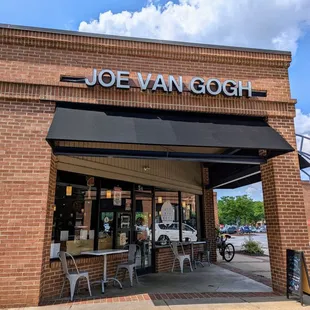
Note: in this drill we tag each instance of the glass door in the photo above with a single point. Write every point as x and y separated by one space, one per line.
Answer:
143 217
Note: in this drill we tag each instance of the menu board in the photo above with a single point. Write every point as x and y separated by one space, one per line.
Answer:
293 269
296 274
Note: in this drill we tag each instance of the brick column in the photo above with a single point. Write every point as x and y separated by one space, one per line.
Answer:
48 226
216 211
284 205
209 215
25 174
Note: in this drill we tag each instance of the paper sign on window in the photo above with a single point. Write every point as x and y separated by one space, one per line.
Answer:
167 213
91 234
117 196
64 235
83 234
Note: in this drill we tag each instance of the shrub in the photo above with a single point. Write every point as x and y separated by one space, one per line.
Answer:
252 247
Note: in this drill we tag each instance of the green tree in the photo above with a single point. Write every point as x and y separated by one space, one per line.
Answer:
240 210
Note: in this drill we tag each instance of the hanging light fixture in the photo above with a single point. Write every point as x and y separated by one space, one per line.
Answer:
68 190
183 204
160 199
109 194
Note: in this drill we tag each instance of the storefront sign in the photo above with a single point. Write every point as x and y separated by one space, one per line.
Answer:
199 86
167 213
117 196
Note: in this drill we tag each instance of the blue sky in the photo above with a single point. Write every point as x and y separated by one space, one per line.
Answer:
280 25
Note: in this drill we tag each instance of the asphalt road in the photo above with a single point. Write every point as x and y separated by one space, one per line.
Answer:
237 241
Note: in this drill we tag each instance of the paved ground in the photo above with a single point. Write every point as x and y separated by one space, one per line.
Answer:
249 303
208 279
256 265
214 278
237 241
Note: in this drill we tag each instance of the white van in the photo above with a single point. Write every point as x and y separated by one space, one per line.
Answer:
165 233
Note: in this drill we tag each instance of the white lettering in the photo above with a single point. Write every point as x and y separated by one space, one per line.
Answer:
160 83
122 76
120 79
218 87
197 88
229 88
111 75
242 88
94 81
144 84
172 81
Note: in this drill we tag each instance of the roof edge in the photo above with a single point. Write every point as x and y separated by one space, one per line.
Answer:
143 40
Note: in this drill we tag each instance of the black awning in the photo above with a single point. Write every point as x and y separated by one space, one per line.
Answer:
165 128
303 161
231 176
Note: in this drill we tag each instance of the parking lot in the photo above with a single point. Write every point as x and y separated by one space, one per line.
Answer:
238 240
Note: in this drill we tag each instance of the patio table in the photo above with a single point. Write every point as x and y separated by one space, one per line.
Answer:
105 253
191 243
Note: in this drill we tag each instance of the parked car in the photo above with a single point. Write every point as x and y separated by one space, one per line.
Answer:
262 229
165 233
244 230
232 229
224 229
252 229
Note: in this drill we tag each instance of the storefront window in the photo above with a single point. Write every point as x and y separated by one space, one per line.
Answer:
123 215
72 228
115 214
190 227
166 226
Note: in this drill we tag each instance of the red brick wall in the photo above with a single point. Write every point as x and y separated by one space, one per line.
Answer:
30 67
25 160
216 210
94 265
284 205
306 190
165 256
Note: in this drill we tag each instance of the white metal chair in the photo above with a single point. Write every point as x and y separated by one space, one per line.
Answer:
180 257
72 276
131 264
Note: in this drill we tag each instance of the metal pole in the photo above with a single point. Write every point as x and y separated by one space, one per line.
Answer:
153 230
97 213
180 216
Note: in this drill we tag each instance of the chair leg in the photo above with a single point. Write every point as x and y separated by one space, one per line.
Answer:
190 265
209 263
116 273
130 270
72 287
173 265
181 260
124 274
87 278
63 286
136 276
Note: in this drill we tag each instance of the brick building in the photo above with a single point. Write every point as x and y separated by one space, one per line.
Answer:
99 132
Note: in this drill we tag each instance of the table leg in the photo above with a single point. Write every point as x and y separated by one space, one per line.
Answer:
105 269
192 254
105 279
104 276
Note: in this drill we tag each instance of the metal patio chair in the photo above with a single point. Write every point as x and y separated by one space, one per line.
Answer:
180 257
72 276
130 265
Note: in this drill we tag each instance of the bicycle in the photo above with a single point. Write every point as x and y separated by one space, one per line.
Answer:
226 250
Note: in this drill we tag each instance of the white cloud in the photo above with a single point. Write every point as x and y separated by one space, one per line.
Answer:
255 191
275 24
302 122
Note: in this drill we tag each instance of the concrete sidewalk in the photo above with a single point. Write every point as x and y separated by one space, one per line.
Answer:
258 266
270 303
